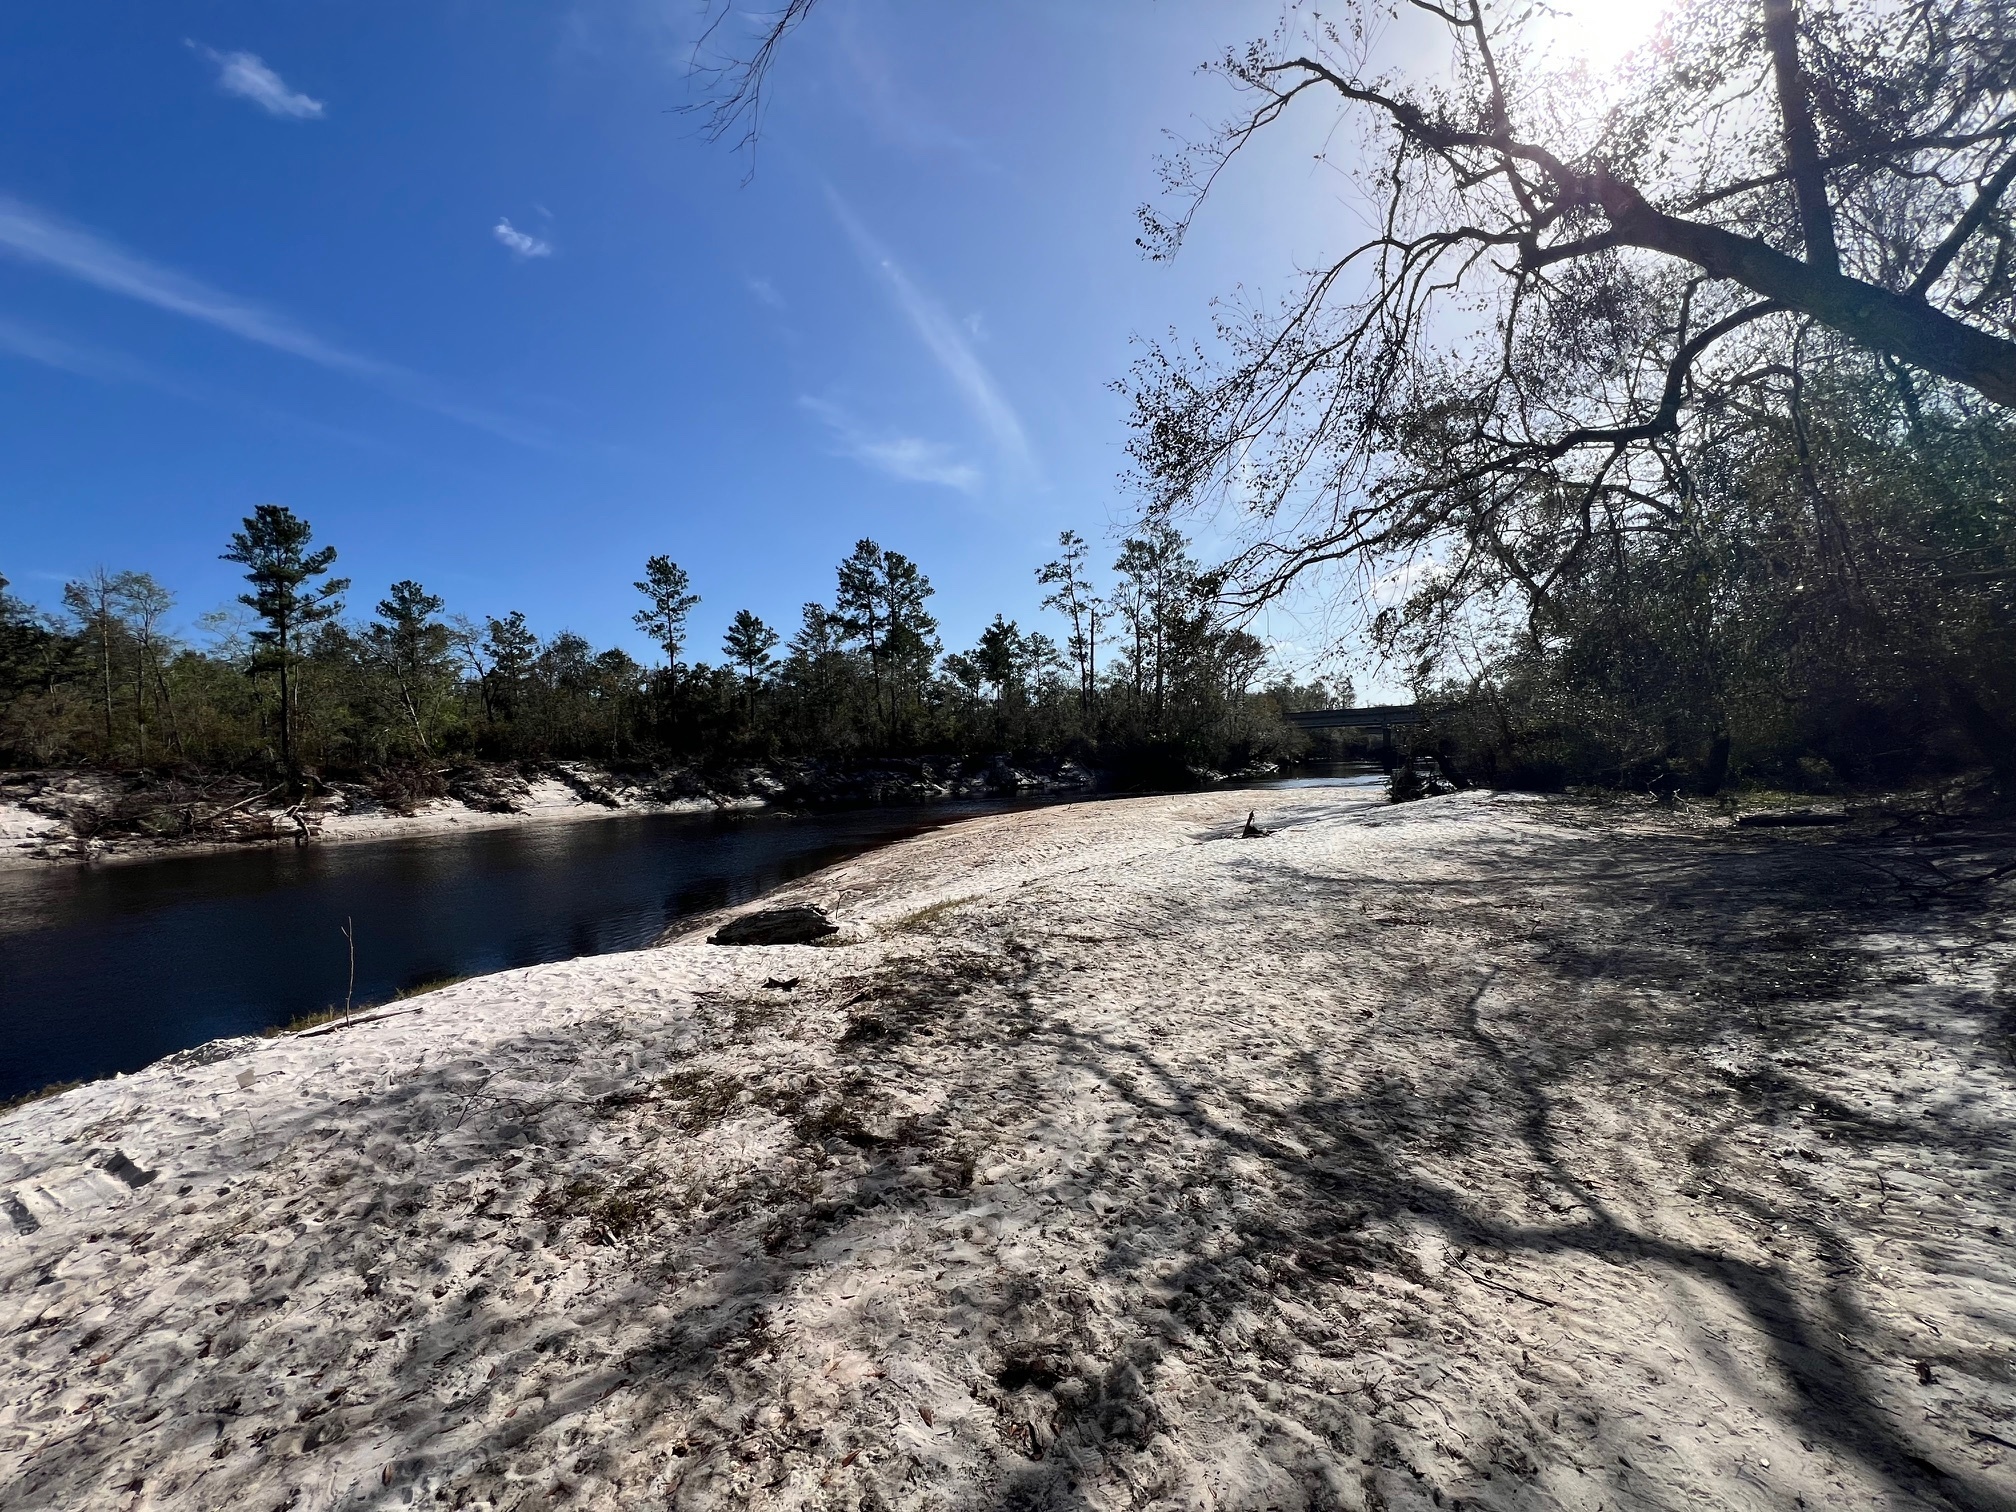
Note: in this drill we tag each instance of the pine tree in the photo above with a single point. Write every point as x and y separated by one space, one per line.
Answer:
880 603
1072 595
1161 587
513 650
860 612
147 604
998 656
273 550
412 646
666 585
748 645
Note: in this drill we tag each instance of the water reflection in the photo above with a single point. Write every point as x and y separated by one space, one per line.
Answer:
1324 774
106 968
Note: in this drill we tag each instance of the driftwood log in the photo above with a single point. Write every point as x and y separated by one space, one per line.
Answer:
799 924
1791 819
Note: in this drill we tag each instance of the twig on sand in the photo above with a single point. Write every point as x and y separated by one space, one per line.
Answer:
369 1018
350 939
1502 1286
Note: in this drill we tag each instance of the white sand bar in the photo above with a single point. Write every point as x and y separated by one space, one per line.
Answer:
1482 1153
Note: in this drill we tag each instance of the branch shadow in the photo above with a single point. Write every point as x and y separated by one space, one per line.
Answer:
1277 1243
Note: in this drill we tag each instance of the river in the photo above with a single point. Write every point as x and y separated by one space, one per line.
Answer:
106 968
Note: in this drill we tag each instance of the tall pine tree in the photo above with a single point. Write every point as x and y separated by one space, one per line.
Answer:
273 550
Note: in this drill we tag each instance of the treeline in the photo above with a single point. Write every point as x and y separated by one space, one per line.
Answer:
1684 451
1832 605
1145 673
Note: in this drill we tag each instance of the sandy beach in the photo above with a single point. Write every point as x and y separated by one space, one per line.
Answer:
1482 1152
65 817
29 837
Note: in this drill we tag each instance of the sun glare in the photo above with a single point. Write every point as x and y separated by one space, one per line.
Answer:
1602 33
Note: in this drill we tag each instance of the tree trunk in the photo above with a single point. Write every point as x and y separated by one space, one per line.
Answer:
1716 773
105 662
286 709
1991 736
1802 147
413 714
1445 758
168 707
140 697
887 721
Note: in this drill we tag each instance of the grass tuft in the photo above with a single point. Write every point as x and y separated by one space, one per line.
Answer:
323 1016
435 985
929 915
307 1021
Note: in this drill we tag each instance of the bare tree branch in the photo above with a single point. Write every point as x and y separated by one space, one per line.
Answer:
1976 216
731 98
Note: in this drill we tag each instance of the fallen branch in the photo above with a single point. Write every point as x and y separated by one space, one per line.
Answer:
1790 819
1501 1286
241 803
346 1023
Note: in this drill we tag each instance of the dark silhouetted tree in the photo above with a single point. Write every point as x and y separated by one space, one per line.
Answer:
1072 596
666 586
273 550
880 604
512 650
748 645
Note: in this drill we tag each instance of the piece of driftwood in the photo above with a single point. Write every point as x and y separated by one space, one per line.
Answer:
1791 819
1252 830
799 924
231 808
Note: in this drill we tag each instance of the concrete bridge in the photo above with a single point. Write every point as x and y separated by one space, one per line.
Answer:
1384 717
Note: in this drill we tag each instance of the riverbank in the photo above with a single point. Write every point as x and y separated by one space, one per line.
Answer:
87 815
1481 1151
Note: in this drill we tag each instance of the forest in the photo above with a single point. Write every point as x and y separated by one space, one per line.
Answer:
1671 408
1655 426
1657 433
1145 676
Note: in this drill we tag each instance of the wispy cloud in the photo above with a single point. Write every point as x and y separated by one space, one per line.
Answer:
37 237
34 236
523 243
1399 583
910 458
246 75
891 109
765 292
944 339
31 344
66 356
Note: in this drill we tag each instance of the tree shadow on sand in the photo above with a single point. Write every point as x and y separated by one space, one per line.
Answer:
1257 1261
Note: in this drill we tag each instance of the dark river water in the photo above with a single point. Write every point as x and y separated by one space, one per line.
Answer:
106 968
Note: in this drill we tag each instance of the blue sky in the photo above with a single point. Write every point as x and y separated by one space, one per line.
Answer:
458 283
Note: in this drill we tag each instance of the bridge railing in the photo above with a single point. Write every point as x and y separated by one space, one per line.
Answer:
1372 717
